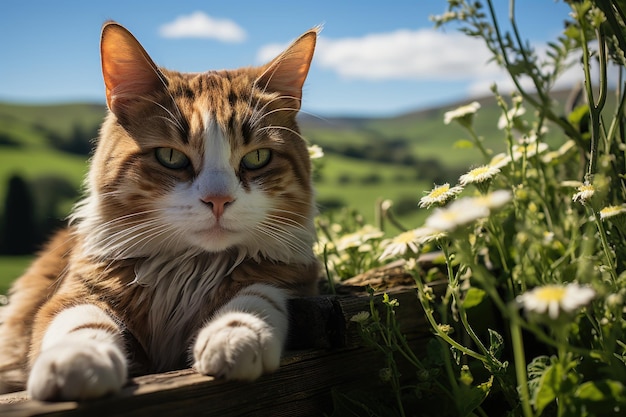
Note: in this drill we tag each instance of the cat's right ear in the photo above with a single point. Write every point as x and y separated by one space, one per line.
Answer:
129 73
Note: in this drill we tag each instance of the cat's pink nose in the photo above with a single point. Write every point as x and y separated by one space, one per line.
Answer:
218 203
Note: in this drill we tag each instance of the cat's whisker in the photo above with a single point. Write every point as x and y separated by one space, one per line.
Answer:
282 128
175 120
277 237
259 114
258 120
291 212
287 222
117 242
285 237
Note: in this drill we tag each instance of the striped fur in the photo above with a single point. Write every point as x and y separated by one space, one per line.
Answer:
173 262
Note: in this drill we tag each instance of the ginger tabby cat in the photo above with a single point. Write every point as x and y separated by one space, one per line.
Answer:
196 227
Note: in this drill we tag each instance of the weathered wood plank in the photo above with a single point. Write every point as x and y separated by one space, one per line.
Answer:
329 355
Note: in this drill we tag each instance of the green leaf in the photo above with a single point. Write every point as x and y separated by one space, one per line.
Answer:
578 113
600 390
548 387
496 342
473 297
535 370
601 398
469 397
463 144
555 381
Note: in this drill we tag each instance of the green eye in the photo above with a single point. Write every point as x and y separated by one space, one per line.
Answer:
256 159
171 158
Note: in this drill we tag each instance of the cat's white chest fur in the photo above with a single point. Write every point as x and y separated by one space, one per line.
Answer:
178 290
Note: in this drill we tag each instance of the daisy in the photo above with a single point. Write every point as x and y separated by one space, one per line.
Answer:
562 151
400 244
478 175
425 235
584 194
440 195
528 150
315 152
495 200
612 211
358 238
616 214
464 114
555 298
459 213
500 160
361 317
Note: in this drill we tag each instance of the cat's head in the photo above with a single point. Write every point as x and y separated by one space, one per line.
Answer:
206 162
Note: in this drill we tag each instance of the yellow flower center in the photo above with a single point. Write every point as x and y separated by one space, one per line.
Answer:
406 237
439 191
479 171
550 293
586 187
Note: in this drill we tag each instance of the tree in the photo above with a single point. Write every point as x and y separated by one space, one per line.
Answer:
19 218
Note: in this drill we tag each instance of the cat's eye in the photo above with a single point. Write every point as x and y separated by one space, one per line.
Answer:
171 158
256 159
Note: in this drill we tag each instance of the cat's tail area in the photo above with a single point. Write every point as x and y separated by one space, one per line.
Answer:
26 296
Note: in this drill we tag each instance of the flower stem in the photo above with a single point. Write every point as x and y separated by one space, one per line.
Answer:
606 248
479 143
520 363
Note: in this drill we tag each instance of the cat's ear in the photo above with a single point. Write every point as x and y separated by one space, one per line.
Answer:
129 73
287 72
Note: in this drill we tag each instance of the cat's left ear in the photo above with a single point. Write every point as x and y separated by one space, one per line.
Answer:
287 72
129 72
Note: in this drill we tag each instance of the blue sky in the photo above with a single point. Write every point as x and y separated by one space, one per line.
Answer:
374 58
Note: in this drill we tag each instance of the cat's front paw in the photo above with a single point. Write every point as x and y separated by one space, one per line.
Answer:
77 371
237 346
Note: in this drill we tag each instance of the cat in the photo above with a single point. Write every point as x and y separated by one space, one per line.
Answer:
196 227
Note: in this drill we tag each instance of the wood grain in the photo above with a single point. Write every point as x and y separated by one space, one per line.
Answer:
325 353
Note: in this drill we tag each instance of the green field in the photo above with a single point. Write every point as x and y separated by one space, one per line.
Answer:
12 267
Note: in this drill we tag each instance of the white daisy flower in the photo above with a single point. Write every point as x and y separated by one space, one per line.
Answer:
616 214
361 317
463 114
612 211
529 150
584 194
440 195
495 200
563 150
400 244
358 238
478 175
426 235
459 213
500 160
554 298
315 152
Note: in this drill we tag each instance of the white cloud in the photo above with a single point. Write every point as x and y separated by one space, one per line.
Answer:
424 54
201 25
567 79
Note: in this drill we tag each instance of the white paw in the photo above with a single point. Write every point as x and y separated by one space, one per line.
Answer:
77 370
237 346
